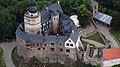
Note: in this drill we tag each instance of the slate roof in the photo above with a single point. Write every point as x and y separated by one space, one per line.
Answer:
33 7
55 39
45 16
55 7
103 17
29 37
69 26
40 38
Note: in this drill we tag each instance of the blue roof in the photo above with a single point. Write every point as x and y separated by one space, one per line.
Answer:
103 17
55 7
33 7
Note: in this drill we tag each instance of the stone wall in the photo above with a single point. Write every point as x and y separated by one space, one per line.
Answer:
47 53
21 49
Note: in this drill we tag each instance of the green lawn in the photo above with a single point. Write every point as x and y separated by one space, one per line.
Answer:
116 34
15 57
95 37
85 44
2 64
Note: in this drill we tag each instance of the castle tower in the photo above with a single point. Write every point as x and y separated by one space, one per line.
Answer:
55 21
32 20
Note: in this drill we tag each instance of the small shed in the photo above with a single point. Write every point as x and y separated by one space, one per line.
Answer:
103 18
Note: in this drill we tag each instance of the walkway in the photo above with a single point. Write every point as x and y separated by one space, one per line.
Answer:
105 31
7 50
97 44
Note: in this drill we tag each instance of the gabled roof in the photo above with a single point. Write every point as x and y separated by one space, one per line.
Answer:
74 35
54 7
109 54
94 3
45 16
103 17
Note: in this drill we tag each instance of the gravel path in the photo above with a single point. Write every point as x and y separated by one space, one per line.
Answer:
105 31
97 44
7 50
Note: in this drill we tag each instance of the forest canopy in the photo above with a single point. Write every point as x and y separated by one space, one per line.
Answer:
111 7
12 12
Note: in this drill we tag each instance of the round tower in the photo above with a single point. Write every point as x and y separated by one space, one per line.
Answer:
32 19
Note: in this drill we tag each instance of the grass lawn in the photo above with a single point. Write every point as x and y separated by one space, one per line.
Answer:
2 63
15 58
116 34
96 37
85 44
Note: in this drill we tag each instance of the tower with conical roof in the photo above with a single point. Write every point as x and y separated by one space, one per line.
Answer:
32 19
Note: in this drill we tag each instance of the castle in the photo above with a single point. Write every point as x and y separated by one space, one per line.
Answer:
49 35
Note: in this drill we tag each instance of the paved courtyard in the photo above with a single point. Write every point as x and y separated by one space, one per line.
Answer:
7 50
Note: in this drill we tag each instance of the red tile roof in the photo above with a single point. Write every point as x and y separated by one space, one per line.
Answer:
112 53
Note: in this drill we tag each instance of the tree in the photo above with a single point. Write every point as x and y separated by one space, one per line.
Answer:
84 12
7 23
112 8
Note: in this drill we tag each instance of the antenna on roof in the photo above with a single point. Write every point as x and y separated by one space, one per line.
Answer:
58 2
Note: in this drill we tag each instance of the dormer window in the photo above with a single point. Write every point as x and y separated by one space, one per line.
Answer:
52 43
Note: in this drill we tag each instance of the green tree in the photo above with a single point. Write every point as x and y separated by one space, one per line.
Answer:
7 23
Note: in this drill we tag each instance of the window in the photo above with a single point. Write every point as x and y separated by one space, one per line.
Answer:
69 40
71 44
67 50
37 44
54 18
38 32
31 14
61 49
43 48
34 44
52 43
67 44
39 49
60 44
52 49
45 45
